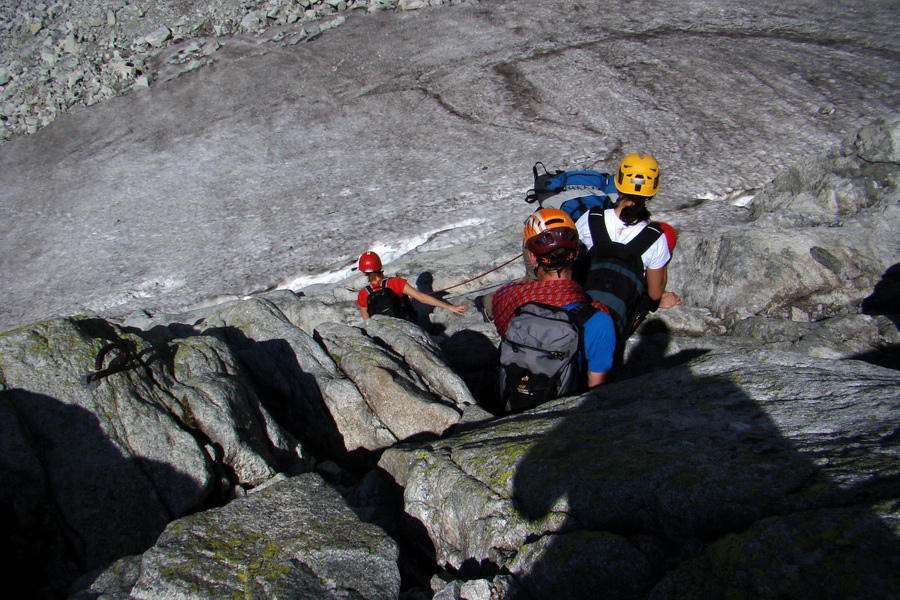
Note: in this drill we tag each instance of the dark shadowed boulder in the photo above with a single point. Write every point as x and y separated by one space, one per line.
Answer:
296 538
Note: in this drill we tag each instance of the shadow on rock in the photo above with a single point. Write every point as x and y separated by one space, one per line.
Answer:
72 500
885 297
473 356
885 300
699 483
293 397
649 354
425 284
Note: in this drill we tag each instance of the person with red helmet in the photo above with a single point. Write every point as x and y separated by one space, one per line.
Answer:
397 292
552 246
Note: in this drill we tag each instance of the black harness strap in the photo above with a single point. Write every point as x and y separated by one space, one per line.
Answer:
381 286
641 242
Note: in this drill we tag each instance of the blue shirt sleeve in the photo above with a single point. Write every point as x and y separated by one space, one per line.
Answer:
599 342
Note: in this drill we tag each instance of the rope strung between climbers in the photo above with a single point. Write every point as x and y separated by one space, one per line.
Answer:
516 257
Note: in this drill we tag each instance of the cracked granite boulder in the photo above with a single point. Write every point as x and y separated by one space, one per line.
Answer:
108 434
821 237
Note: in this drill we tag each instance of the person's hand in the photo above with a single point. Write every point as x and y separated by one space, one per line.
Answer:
458 309
669 299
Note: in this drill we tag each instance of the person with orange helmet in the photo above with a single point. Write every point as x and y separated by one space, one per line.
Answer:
552 246
391 296
637 181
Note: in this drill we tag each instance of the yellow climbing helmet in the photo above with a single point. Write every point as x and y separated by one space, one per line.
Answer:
638 175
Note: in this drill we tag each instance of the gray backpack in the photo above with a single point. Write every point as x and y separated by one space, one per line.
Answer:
540 353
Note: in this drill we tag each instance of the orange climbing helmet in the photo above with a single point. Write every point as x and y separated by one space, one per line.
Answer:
548 229
369 262
638 175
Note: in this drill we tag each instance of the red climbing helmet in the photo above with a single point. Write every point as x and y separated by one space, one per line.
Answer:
671 236
369 262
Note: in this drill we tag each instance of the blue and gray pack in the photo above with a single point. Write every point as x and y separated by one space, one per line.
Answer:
575 192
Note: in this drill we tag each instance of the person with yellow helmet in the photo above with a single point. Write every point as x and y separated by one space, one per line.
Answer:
628 226
552 246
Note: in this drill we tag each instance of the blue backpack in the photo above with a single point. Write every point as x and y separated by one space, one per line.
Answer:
576 192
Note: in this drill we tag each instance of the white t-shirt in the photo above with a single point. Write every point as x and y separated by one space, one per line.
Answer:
656 257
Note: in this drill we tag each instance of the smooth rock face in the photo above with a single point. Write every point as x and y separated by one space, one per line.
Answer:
747 449
438 115
736 440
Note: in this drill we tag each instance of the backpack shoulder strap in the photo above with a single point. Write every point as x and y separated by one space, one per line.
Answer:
381 285
402 296
597 224
579 315
582 313
646 238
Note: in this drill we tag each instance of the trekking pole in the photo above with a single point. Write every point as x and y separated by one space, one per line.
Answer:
516 257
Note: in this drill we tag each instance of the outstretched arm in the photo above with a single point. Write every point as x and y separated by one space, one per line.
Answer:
433 301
